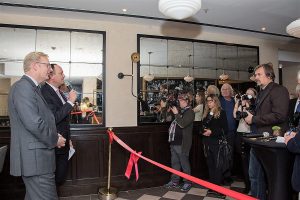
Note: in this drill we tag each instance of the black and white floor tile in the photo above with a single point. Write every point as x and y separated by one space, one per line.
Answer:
161 193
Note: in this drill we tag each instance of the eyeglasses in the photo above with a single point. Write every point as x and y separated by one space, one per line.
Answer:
48 65
209 100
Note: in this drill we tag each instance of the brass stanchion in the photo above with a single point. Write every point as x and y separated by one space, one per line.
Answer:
108 193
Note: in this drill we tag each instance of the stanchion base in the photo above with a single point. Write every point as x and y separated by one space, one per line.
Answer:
104 194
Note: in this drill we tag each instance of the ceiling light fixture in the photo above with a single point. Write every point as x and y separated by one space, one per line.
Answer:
223 76
189 78
149 77
179 9
124 10
293 28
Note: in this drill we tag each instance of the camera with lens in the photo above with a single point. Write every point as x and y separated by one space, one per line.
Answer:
206 122
251 101
172 103
294 122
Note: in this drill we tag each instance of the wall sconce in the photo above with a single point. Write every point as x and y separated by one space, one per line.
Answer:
149 77
135 57
179 9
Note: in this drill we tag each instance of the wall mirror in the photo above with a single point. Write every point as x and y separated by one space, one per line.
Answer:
171 65
80 53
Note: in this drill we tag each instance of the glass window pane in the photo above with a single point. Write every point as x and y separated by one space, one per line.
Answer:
86 47
16 43
54 43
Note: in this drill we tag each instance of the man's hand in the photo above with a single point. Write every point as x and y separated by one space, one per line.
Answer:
72 96
174 110
288 136
61 142
248 119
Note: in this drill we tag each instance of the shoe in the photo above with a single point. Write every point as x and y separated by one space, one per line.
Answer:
172 184
228 181
186 187
218 195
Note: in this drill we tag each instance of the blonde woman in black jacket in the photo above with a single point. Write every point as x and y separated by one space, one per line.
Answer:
215 125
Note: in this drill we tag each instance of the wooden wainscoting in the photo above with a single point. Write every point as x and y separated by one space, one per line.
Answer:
89 166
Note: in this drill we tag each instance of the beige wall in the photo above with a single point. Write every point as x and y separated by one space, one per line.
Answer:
289 74
4 88
121 41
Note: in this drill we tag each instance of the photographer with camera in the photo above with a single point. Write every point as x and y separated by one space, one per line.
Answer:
180 138
215 127
272 106
243 103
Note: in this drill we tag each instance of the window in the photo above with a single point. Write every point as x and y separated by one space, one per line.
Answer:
170 60
80 53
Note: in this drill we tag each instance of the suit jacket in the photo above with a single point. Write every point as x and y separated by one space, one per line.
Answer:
294 146
292 108
272 108
33 131
61 113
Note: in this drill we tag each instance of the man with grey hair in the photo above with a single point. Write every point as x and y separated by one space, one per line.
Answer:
33 131
227 104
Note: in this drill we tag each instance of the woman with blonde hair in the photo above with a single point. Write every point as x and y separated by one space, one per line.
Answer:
215 126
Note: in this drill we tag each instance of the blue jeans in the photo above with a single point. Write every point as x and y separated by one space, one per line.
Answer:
257 177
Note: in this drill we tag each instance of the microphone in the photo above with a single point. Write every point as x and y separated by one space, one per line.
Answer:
68 85
264 135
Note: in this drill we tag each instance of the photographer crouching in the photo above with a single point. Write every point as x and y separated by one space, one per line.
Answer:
244 103
180 138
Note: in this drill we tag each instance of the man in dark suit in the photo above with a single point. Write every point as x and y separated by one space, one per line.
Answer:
272 107
294 107
33 131
61 108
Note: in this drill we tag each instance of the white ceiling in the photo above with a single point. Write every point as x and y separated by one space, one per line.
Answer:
252 15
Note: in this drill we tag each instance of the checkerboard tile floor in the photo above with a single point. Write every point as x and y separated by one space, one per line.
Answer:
161 193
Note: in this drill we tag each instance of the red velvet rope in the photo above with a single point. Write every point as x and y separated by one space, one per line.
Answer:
134 159
91 113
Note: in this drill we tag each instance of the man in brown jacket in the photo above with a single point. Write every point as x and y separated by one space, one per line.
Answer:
272 107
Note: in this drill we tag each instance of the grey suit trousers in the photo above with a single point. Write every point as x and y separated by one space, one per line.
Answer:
40 187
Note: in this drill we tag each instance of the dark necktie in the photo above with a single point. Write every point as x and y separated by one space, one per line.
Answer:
298 107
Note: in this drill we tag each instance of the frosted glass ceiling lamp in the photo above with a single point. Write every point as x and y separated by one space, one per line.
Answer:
179 9
293 28
149 77
223 76
189 78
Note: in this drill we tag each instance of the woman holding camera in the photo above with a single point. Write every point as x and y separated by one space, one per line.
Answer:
215 126
243 103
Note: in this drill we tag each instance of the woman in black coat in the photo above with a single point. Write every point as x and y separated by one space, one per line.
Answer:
215 125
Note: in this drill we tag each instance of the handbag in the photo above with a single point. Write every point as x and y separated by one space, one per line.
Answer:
224 157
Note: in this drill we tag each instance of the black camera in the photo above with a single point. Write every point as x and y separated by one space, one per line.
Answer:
294 122
206 122
172 103
241 115
251 108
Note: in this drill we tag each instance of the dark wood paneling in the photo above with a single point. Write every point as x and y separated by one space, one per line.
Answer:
88 167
